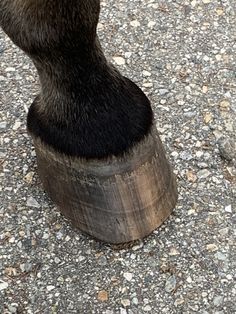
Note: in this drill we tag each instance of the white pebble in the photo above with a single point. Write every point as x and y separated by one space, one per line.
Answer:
146 73
3 285
147 85
147 308
135 23
16 125
151 24
128 276
228 209
10 69
119 60
50 288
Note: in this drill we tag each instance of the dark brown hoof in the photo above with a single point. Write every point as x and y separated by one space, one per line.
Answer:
115 200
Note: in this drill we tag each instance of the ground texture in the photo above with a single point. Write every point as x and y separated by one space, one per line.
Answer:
183 55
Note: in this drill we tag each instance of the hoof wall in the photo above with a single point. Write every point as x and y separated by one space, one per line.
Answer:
116 200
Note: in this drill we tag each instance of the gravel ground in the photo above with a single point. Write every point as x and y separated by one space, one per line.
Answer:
182 54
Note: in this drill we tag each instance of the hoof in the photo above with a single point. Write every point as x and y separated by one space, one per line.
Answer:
116 200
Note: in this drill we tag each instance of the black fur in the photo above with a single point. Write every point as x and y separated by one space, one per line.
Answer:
86 108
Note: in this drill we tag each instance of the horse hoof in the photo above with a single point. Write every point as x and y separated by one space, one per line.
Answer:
116 200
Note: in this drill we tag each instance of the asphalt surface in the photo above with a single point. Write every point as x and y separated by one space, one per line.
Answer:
183 55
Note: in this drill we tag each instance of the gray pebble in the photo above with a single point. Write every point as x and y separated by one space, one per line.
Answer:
102 261
31 202
227 148
3 125
12 308
220 256
185 155
218 300
170 284
163 91
203 174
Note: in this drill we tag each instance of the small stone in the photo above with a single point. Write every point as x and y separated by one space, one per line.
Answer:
204 89
102 296
174 252
227 148
128 276
229 125
206 1
10 69
191 211
45 236
3 125
178 302
208 117
100 26
185 156
146 73
26 267
224 105
10 271
170 284
147 308
203 174
189 279
199 154
59 235
219 11
31 202
218 300
50 288
220 256
102 261
2 155
12 308
151 24
128 54
175 154
202 165
125 302
135 23
16 126
190 114
57 260
29 177
81 258
135 301
119 60
137 246
217 134
67 238
229 277
212 247
3 285
206 58
147 84
191 176
228 209
163 91
58 226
